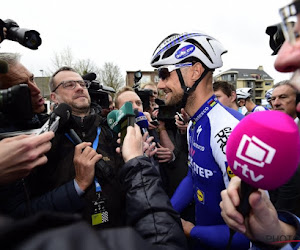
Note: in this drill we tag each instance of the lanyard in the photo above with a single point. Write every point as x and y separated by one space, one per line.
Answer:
95 145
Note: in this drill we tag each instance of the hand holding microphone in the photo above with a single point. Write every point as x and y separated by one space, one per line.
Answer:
119 120
263 150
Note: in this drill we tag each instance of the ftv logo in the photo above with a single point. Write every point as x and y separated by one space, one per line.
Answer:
255 152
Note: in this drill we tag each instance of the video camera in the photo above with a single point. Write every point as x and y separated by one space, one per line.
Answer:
144 94
98 92
28 38
276 37
15 104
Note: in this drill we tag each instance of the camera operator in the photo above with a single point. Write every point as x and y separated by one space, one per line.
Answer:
18 74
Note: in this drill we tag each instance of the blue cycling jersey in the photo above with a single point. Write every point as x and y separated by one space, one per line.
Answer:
259 108
208 173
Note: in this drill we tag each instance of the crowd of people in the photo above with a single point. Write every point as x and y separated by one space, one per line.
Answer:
167 185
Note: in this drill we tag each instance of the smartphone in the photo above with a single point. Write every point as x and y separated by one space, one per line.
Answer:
154 123
180 117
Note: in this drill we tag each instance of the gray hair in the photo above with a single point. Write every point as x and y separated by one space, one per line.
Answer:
51 81
285 83
10 58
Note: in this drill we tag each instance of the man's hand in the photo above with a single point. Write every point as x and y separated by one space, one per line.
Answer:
133 143
182 125
263 219
149 146
20 154
187 227
85 159
164 154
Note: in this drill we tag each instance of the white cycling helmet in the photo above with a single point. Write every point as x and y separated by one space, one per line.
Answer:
181 47
268 94
243 93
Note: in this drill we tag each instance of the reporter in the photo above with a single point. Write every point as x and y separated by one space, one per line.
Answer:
148 208
263 220
20 154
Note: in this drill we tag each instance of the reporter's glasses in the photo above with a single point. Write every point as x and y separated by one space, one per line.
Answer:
72 84
288 15
165 71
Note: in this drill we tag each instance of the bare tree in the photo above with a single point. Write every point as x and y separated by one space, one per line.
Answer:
110 75
66 58
85 66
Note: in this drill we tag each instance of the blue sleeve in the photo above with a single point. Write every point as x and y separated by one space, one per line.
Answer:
183 194
218 236
61 199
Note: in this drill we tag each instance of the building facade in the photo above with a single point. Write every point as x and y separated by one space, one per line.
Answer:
147 76
257 79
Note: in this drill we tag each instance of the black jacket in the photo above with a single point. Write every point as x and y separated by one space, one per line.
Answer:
148 211
59 169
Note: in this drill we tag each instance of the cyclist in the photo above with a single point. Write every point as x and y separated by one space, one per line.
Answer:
185 65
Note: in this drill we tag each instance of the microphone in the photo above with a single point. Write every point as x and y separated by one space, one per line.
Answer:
3 67
119 120
58 118
89 76
263 150
142 121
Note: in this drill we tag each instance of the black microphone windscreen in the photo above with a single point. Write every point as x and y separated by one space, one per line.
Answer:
64 111
3 67
89 76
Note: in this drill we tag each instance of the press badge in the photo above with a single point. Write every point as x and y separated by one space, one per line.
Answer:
99 212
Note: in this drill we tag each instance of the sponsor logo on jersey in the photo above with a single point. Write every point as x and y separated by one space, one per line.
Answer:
200 196
192 151
222 137
185 51
199 147
229 172
199 129
202 172
201 114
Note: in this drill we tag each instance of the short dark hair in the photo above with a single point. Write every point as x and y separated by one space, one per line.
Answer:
64 68
224 86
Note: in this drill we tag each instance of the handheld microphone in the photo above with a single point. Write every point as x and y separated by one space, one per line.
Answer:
119 121
263 150
142 121
58 118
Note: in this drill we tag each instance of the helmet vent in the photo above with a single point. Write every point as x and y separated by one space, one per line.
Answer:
199 46
170 51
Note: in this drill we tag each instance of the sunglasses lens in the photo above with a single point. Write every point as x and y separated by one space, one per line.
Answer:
163 73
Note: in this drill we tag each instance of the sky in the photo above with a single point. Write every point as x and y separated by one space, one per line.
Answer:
127 32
